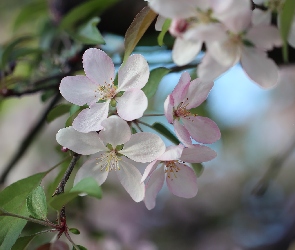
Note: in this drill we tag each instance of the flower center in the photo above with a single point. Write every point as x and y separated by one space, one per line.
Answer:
107 91
182 111
171 169
108 161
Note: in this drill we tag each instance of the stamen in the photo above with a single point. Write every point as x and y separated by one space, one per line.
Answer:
108 161
107 91
171 169
182 111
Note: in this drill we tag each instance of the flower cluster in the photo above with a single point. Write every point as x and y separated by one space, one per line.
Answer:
231 31
104 128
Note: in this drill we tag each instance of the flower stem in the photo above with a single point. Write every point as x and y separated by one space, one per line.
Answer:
153 115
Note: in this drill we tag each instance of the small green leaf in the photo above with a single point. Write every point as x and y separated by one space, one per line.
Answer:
155 78
79 247
36 203
137 28
71 118
74 230
159 127
286 17
198 168
88 33
47 94
23 242
165 28
86 186
74 108
58 111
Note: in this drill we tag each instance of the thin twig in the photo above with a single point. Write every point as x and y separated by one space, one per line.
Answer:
28 139
61 186
180 68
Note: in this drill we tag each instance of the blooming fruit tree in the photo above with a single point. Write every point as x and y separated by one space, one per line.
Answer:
108 102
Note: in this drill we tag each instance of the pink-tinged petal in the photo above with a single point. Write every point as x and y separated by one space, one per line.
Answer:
116 131
134 74
184 184
197 154
98 66
130 177
91 169
259 68
264 37
185 51
202 129
197 93
181 88
81 143
153 186
172 153
149 169
143 147
168 108
261 17
209 69
79 90
90 119
159 23
132 104
182 133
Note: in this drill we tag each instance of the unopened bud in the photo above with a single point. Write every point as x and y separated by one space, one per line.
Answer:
64 149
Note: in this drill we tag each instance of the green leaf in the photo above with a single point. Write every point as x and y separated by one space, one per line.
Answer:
74 108
13 199
23 242
137 28
86 186
58 111
155 78
79 247
159 127
165 28
47 94
286 17
88 33
36 203
71 118
74 230
198 168
84 11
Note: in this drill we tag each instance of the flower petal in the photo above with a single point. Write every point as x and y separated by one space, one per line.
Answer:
168 108
197 93
90 169
134 74
185 51
182 133
259 68
181 88
184 184
172 153
132 104
130 177
90 119
79 90
149 169
153 186
143 147
80 143
261 17
116 131
159 23
98 66
202 129
197 154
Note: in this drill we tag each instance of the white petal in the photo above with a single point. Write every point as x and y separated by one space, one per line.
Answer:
184 184
261 17
134 74
79 90
159 23
172 153
90 169
182 133
132 104
197 154
209 69
80 143
168 108
130 177
90 119
154 185
143 147
149 169
98 66
181 88
116 131
197 93
202 129
185 51
259 68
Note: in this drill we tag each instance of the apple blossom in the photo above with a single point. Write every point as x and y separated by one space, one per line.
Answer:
98 85
187 95
180 178
114 143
